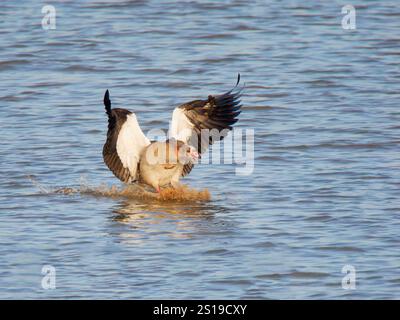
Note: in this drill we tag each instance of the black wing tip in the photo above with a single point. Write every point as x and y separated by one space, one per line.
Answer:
107 96
235 91
238 91
107 102
238 80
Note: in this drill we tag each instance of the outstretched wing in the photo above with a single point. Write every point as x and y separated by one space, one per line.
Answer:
125 142
217 114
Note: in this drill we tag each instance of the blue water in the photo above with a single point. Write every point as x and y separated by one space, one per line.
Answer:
324 104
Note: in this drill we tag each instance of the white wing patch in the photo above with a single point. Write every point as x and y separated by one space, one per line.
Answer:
130 144
181 128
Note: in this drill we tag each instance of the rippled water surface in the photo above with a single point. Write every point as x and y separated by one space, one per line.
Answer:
324 104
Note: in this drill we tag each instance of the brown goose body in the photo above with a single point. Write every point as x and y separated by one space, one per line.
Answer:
159 165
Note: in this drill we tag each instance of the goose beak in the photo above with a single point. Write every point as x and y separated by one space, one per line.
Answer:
194 155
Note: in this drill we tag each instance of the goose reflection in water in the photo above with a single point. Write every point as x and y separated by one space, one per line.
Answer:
150 219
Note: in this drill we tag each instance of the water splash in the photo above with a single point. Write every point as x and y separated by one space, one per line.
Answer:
182 194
